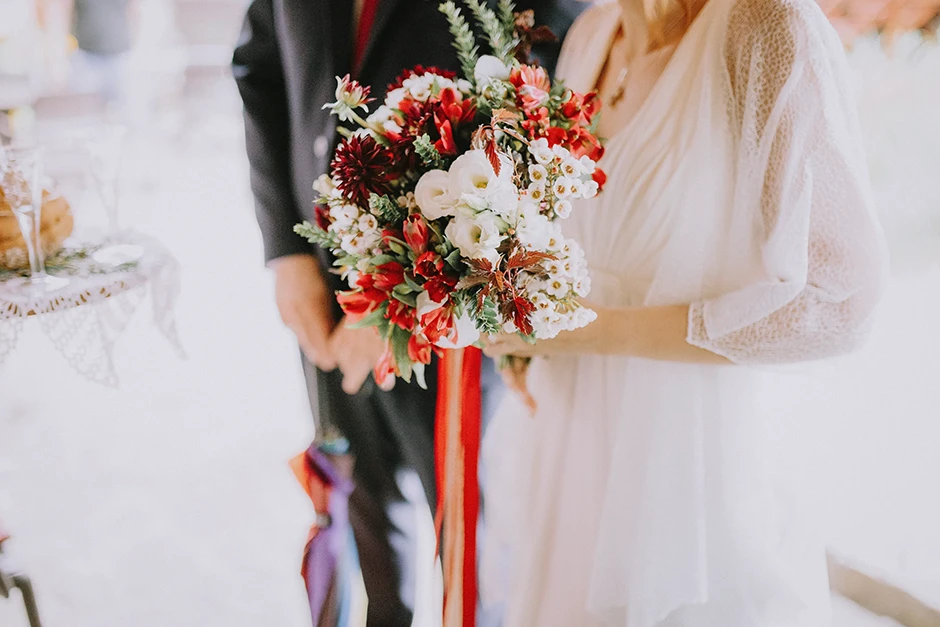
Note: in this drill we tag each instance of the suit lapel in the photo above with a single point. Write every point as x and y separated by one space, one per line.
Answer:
382 15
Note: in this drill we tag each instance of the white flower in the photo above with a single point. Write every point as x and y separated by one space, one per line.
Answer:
466 333
350 95
558 287
367 222
344 215
534 230
562 187
538 173
363 264
563 209
576 187
324 185
587 164
590 189
472 173
509 327
537 192
407 201
354 244
425 305
571 167
541 301
384 119
503 199
464 86
432 195
582 287
489 68
393 98
476 237
561 152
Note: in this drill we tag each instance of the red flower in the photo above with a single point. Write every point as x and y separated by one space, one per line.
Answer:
385 368
429 265
440 287
321 214
400 314
415 231
532 86
450 113
600 177
582 142
556 135
438 323
419 349
581 109
536 123
389 275
363 167
359 302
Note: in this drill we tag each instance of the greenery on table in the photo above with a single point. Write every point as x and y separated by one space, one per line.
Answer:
72 261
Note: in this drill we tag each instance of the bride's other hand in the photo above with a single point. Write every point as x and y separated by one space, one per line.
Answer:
506 344
515 371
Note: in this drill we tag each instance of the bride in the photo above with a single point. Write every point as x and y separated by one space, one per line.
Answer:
736 230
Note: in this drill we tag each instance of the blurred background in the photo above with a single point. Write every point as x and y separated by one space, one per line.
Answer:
168 501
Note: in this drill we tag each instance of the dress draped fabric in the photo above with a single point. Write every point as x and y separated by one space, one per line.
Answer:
639 494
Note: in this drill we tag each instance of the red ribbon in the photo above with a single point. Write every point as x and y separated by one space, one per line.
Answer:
457 449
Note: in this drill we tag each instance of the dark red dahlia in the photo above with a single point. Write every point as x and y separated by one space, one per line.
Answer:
363 167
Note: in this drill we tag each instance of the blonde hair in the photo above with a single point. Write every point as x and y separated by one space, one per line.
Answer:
668 20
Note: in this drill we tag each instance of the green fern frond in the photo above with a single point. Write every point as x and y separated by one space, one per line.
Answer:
464 41
314 234
499 38
507 15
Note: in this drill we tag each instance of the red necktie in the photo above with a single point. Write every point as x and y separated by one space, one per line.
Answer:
363 30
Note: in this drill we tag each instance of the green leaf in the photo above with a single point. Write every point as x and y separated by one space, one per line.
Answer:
409 299
386 209
454 260
399 342
412 284
372 319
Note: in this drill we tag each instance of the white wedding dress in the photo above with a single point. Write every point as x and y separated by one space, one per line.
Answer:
638 495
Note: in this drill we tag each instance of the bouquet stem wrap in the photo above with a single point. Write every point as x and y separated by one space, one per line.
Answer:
457 444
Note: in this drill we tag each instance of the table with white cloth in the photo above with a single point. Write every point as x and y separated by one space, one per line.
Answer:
85 318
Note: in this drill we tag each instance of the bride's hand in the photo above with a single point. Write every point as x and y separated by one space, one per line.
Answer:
514 371
505 344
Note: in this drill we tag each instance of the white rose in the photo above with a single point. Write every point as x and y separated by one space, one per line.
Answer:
476 237
433 196
503 199
472 173
490 68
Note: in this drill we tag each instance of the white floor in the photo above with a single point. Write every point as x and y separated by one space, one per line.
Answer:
169 503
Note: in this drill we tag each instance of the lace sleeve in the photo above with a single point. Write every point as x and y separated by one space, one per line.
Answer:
801 163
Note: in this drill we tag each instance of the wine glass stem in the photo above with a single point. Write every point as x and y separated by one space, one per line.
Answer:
30 222
110 194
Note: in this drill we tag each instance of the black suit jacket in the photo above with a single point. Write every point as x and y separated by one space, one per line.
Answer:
285 62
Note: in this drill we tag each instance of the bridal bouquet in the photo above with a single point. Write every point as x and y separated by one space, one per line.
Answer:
442 207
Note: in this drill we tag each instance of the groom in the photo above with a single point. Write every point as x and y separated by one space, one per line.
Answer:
285 64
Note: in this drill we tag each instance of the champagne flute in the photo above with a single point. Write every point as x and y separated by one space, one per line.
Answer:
21 181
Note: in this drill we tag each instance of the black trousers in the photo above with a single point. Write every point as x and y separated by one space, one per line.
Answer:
391 437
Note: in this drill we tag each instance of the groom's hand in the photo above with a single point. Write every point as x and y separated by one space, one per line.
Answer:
356 352
305 304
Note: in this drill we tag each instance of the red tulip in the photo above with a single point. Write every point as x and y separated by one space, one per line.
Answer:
419 349
401 314
429 265
385 368
600 177
438 323
416 233
389 275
